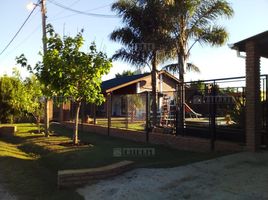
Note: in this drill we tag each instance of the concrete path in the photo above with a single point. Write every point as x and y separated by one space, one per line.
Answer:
4 194
242 176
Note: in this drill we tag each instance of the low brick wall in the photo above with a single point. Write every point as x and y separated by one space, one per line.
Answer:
177 142
76 177
180 142
8 130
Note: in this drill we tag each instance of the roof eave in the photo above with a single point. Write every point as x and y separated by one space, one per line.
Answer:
125 84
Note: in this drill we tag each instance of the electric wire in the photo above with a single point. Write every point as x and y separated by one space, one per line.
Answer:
24 40
62 11
82 12
18 31
67 16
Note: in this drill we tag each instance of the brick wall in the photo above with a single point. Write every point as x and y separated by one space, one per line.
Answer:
8 130
177 142
253 136
77 177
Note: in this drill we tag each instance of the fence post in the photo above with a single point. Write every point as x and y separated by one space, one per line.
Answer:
127 110
180 111
94 114
213 106
109 110
266 111
147 117
177 112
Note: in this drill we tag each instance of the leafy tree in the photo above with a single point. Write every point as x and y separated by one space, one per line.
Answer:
134 103
18 98
12 98
45 86
7 93
143 36
73 73
35 99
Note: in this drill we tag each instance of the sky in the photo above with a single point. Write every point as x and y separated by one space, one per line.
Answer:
250 18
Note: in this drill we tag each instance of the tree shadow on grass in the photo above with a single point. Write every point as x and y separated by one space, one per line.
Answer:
27 179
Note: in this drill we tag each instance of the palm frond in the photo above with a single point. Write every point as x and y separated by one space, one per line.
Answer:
192 68
217 36
174 68
207 11
124 36
135 58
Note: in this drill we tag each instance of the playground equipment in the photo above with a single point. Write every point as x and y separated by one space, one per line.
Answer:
191 112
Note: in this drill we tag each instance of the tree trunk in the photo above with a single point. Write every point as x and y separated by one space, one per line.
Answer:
46 120
75 134
154 100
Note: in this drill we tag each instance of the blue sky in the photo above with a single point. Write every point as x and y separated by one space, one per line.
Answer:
250 18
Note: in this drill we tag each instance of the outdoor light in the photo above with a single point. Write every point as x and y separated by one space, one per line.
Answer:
30 6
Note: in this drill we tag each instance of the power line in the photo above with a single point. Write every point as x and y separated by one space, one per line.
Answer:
24 40
81 12
59 13
67 16
18 31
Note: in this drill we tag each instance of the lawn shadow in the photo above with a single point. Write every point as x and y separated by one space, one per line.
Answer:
39 184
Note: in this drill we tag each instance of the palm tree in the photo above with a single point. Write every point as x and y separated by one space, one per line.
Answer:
194 21
143 36
124 73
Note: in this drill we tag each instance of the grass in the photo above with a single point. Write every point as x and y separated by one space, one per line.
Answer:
29 161
122 124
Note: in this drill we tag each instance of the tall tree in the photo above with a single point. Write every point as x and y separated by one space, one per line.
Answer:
12 98
39 72
192 22
19 98
74 73
143 36
35 100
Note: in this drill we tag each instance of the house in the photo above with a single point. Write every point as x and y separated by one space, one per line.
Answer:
136 86
121 89
255 48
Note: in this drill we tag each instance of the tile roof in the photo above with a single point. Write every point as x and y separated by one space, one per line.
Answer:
106 85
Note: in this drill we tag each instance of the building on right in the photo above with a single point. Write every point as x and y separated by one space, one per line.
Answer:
254 48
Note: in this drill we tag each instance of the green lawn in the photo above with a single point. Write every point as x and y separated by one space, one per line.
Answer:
29 161
117 122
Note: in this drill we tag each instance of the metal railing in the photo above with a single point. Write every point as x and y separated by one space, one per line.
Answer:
213 109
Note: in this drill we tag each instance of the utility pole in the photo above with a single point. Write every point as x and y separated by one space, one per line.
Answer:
43 11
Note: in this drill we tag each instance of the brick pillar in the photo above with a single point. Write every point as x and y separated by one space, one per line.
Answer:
253 103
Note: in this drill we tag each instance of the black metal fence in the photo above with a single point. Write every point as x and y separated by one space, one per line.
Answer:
126 111
213 109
